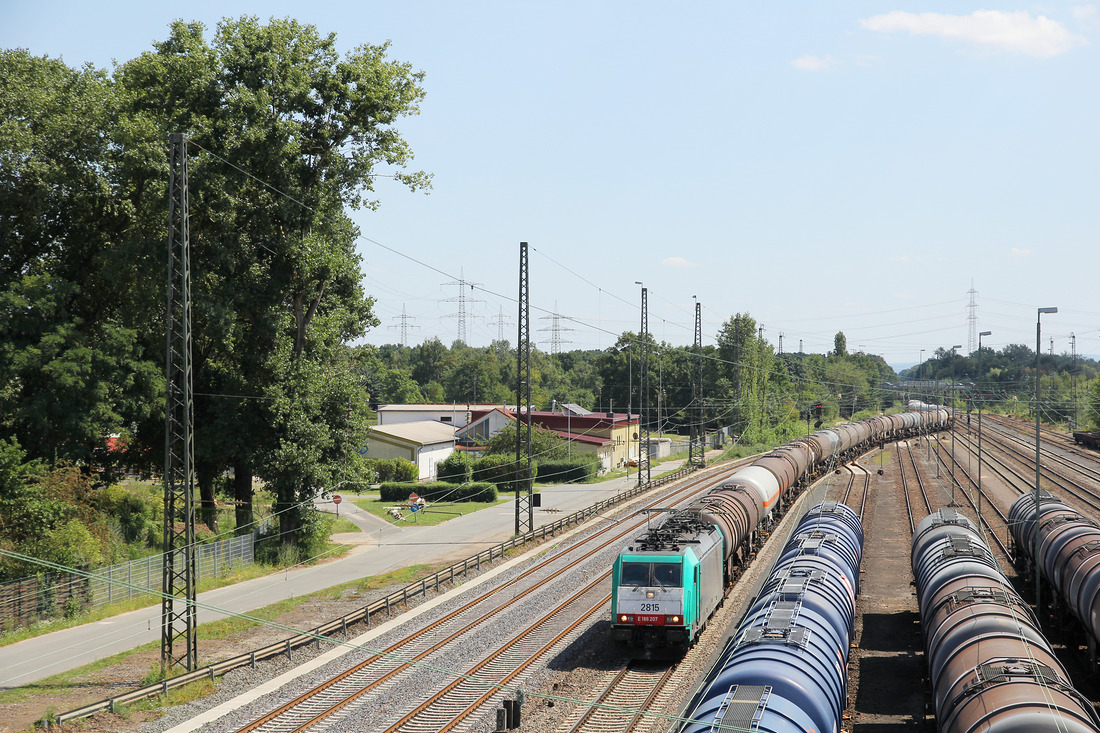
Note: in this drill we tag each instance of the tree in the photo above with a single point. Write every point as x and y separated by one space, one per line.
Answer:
840 344
285 135
748 362
1093 403
545 445
430 361
72 364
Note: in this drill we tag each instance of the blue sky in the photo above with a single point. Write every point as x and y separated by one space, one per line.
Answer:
824 167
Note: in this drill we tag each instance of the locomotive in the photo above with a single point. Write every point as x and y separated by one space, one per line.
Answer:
668 583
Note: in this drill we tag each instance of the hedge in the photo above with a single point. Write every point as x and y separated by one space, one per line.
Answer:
569 471
398 492
501 470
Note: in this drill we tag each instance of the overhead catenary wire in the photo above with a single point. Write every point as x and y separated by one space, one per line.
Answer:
580 321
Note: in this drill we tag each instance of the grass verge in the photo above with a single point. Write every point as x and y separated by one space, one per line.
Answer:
47 626
240 574
433 514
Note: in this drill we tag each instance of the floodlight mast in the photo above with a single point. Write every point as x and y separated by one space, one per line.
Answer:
1035 553
980 397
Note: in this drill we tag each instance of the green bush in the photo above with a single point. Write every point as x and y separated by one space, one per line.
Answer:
501 470
313 536
381 470
439 491
575 471
457 469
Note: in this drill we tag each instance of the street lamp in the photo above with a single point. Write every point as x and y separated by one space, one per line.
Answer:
643 386
983 333
954 389
920 368
1035 553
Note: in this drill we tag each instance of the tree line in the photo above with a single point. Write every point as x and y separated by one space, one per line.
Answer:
763 395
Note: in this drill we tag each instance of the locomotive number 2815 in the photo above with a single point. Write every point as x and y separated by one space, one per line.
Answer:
650 607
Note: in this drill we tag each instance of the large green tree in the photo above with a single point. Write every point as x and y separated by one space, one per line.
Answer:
73 367
286 134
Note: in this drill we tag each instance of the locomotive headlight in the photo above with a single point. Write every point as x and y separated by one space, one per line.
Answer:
623 618
675 619
651 594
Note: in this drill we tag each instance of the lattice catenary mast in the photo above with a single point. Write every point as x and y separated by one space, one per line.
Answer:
178 644
525 510
698 441
643 392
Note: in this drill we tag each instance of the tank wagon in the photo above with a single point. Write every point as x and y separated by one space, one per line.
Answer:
785 670
1087 439
1069 556
990 666
924 406
699 551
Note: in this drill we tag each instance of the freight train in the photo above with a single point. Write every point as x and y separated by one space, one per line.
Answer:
1068 558
785 670
667 584
990 666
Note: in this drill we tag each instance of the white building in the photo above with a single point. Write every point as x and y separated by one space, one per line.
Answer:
425 443
456 414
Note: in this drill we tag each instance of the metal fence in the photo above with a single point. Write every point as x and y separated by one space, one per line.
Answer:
124 581
48 594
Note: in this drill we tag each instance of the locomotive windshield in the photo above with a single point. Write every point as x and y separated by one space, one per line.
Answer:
661 574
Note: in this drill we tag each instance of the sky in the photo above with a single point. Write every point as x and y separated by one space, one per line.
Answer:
823 167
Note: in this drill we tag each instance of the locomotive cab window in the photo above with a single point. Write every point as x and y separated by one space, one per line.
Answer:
658 574
666 574
635 574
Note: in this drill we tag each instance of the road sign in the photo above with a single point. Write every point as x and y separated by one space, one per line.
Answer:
336 499
413 498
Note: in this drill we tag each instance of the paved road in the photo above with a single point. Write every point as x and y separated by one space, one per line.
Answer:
380 548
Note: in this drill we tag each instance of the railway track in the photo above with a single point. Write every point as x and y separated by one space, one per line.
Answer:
1086 470
383 673
974 501
1064 441
633 688
451 706
1015 467
852 469
920 484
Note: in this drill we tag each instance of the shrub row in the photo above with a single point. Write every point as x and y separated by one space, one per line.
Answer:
501 470
398 492
569 471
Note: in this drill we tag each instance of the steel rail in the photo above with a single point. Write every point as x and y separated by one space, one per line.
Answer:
633 688
505 664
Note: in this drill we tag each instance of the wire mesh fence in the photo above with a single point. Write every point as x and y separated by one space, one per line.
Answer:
48 595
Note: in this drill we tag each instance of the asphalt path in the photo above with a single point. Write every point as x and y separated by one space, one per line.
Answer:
378 549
